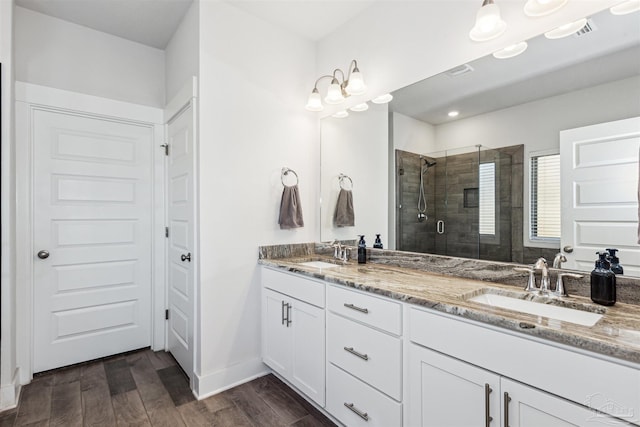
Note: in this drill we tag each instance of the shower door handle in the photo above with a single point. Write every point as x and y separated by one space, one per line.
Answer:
440 227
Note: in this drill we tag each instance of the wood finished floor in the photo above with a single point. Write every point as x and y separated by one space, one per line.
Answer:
146 388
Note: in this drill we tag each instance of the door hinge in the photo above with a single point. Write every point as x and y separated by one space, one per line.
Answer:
166 232
166 314
166 149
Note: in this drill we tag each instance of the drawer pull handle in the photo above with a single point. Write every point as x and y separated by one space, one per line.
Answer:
487 417
356 308
356 411
355 353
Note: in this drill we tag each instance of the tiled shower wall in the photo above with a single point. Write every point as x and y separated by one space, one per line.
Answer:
445 186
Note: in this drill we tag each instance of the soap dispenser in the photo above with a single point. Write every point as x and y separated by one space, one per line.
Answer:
603 282
362 250
615 262
378 243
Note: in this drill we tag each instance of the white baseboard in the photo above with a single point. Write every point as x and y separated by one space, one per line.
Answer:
224 379
9 393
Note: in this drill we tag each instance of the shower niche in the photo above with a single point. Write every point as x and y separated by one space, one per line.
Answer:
465 202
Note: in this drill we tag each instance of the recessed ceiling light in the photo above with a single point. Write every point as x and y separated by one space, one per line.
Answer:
511 51
340 114
626 7
453 113
542 7
566 30
382 99
360 107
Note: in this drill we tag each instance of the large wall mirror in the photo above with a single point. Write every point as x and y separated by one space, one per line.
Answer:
490 182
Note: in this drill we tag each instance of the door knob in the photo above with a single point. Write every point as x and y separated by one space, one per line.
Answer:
568 249
43 254
186 257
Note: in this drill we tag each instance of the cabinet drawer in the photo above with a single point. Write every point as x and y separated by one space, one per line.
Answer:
374 311
294 286
378 409
371 355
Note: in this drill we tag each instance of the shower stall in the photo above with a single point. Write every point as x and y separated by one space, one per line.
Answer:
460 202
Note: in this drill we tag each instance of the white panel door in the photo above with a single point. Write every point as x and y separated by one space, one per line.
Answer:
181 239
599 193
92 214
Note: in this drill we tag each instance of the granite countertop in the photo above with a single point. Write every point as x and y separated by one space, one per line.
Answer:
616 334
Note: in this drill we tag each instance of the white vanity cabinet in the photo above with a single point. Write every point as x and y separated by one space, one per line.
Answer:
293 331
364 350
471 375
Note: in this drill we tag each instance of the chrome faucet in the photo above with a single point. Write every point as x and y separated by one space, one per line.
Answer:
558 260
337 249
541 264
560 290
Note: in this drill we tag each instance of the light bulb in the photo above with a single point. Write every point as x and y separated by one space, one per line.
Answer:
566 29
356 84
543 7
314 103
360 107
334 94
511 51
453 113
382 99
489 24
340 114
626 7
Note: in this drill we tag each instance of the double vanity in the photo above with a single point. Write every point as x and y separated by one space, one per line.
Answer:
390 343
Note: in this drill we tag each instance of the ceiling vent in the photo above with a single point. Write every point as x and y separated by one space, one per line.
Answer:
458 71
589 27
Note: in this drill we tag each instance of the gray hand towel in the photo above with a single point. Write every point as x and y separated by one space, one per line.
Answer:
290 208
344 215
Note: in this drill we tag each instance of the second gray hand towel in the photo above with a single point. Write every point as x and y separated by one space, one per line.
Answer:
344 215
290 208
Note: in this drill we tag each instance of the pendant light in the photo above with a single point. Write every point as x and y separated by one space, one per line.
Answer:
537 8
489 24
339 89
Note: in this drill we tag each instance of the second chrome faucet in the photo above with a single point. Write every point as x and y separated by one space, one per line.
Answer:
545 284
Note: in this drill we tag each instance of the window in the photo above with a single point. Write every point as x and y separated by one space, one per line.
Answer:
545 197
487 204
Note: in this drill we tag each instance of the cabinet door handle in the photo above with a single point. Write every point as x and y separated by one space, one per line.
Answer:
289 321
356 308
356 411
355 353
487 416
507 399
283 319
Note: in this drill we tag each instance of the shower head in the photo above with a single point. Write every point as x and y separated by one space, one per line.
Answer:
427 165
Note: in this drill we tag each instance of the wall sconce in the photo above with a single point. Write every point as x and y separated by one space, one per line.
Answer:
353 84
489 24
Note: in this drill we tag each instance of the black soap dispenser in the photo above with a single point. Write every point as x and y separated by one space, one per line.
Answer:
615 262
362 250
603 282
378 243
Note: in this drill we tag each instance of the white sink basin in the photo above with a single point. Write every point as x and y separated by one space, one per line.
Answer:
319 264
565 314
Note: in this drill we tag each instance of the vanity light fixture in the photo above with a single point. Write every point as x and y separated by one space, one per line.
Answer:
511 51
453 113
628 6
536 8
489 24
382 99
360 107
351 84
566 30
340 114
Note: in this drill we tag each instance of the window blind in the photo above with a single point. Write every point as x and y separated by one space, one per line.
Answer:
545 196
487 202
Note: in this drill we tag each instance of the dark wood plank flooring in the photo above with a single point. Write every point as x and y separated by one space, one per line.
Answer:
146 388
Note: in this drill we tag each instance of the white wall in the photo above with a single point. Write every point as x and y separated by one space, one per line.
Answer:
254 81
8 392
537 124
397 43
181 53
52 52
356 146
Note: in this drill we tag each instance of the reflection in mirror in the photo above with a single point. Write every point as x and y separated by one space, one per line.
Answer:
515 109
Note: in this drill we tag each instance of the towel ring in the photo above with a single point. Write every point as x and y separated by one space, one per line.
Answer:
341 181
285 172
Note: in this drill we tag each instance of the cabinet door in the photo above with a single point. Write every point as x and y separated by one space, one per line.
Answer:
308 347
529 407
444 391
276 333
